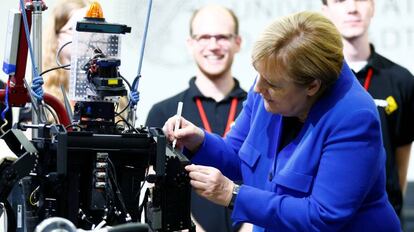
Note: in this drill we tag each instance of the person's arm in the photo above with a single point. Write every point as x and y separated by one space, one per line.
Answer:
223 153
402 158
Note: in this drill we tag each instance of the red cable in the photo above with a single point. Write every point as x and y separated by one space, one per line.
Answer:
230 119
232 115
367 81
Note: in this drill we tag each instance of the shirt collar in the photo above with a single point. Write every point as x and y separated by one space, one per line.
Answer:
236 92
373 59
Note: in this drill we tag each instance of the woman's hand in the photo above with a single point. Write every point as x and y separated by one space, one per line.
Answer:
210 183
188 135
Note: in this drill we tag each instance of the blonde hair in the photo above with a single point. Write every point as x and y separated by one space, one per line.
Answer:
305 45
60 15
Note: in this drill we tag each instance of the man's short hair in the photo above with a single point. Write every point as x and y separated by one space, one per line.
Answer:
232 14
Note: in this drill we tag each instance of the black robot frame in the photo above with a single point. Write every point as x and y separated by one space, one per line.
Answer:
87 177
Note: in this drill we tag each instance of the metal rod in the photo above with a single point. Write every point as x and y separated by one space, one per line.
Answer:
144 39
132 112
37 34
37 54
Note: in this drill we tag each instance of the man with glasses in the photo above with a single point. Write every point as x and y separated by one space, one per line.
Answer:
214 97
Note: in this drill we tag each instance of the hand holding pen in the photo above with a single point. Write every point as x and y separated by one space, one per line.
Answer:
182 132
177 121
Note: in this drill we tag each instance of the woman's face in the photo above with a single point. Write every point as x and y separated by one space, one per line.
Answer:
282 96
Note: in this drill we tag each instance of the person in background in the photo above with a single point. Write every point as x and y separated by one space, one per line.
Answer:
59 30
214 97
391 85
307 143
57 37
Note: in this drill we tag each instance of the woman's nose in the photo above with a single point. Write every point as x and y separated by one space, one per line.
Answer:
258 87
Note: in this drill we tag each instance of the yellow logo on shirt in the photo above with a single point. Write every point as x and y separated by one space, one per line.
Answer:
392 105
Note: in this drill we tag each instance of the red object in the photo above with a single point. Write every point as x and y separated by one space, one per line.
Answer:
367 81
49 99
230 119
232 115
17 90
18 94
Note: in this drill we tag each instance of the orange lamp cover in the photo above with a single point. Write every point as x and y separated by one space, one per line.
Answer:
95 11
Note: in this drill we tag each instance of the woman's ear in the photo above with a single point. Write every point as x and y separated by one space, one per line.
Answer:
314 87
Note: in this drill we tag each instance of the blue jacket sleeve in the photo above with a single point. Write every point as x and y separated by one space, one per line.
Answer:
223 153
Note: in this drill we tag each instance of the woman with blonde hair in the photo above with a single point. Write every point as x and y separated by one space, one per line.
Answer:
57 47
307 143
58 32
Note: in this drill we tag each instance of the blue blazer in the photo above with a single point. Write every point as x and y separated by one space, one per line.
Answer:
331 177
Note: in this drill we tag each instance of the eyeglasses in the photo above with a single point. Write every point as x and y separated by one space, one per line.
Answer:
220 39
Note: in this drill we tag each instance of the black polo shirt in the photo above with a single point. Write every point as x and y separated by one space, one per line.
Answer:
392 82
212 217
216 112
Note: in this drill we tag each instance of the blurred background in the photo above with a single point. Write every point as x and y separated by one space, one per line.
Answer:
167 65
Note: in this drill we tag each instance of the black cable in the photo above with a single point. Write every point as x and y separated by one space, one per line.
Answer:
145 176
119 121
123 110
59 67
58 54
129 102
51 111
129 124
73 125
113 178
143 182
99 54
142 186
146 194
113 168
126 81
144 202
